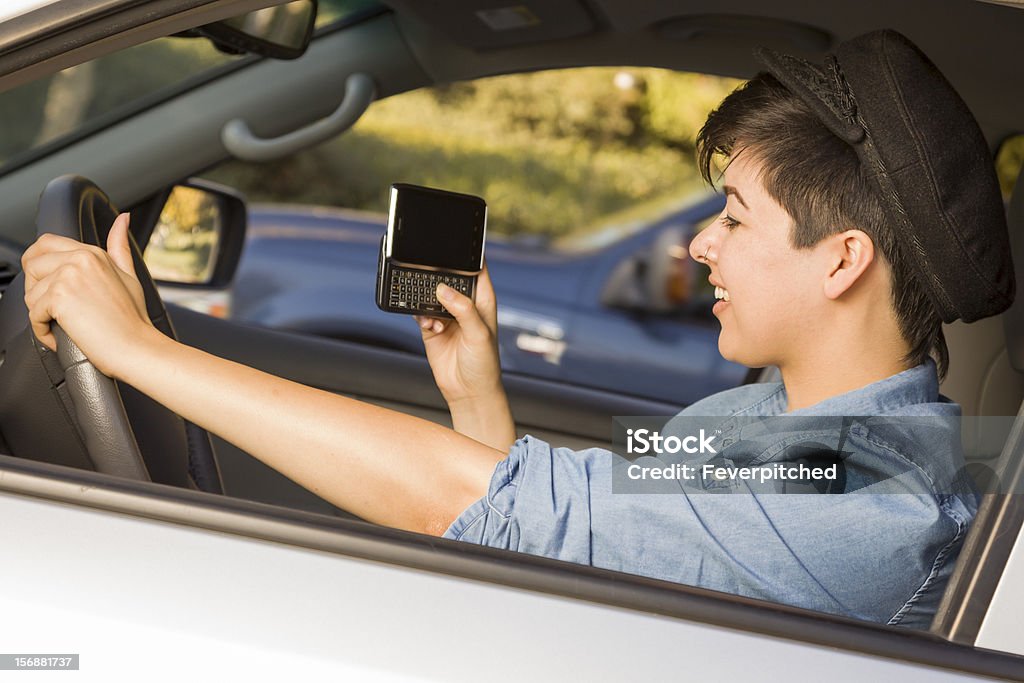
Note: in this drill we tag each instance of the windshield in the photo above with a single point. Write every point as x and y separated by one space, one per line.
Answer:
55 108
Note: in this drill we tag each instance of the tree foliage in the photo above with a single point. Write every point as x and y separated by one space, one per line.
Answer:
552 152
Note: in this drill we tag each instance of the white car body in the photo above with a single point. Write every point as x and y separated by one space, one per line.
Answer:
165 600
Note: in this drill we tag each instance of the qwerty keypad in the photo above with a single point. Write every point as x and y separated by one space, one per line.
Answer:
417 289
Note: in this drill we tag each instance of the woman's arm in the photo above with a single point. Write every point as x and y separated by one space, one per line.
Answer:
463 355
382 465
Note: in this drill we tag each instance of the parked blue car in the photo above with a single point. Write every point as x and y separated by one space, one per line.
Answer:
621 310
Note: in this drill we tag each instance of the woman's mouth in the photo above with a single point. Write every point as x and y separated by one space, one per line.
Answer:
722 296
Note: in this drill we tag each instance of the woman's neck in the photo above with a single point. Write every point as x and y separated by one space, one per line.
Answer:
841 364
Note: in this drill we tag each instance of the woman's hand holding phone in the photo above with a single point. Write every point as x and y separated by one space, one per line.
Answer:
463 355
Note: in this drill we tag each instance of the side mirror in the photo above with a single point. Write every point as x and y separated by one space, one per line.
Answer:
657 280
194 235
281 32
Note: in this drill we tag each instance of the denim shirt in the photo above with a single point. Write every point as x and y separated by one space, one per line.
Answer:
881 556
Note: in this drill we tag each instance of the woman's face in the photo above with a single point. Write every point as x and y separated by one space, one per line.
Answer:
770 294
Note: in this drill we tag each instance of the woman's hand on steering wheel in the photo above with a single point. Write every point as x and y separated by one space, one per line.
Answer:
93 294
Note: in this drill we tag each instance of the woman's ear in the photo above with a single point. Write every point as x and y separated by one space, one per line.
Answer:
849 254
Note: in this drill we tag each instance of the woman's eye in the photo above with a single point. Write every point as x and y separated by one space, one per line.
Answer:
729 222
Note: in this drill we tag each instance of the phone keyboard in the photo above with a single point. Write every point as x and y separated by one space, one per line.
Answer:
417 289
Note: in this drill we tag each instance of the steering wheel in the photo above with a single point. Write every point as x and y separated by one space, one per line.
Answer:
58 408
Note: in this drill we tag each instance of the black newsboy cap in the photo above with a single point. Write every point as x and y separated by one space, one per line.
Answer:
927 157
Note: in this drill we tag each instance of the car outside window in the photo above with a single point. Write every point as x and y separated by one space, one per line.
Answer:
593 195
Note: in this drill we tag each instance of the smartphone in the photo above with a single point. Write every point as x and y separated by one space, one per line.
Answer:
433 236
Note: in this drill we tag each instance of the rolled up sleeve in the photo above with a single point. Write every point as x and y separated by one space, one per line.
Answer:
538 502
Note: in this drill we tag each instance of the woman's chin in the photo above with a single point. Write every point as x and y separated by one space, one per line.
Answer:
734 350
725 346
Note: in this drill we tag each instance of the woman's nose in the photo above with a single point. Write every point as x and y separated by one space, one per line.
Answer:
702 245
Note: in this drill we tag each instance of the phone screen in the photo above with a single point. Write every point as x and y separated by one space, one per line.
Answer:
437 228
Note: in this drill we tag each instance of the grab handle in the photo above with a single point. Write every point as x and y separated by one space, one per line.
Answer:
239 139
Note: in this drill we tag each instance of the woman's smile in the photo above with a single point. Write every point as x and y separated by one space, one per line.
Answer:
722 294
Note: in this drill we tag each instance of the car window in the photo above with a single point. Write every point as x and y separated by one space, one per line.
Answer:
332 11
53 109
56 107
592 193
555 154
1009 160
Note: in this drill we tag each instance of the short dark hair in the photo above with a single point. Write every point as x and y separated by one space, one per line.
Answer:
819 180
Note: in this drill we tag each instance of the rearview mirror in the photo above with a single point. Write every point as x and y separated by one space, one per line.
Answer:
196 238
281 32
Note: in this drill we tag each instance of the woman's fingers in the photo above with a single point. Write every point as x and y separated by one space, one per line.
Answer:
61 273
476 318
36 291
40 302
465 313
486 302
48 242
49 252
43 265
430 327
118 247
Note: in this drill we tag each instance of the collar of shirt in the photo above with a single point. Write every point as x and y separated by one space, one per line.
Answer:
912 392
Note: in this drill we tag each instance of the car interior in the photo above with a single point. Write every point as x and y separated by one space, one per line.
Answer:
135 156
